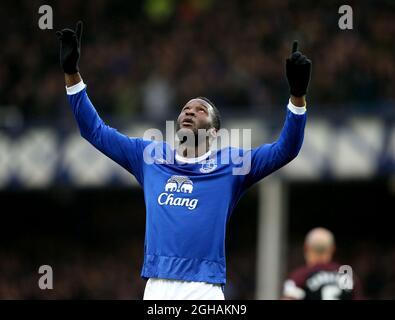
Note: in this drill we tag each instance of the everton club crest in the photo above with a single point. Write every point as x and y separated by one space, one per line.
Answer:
208 166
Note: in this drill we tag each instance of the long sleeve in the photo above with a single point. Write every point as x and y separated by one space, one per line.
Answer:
126 151
268 158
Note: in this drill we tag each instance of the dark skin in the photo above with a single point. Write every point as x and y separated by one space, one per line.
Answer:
196 114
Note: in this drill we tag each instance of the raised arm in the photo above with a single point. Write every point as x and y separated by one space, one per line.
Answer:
270 157
126 151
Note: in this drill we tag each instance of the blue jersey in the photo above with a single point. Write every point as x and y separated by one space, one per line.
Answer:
188 201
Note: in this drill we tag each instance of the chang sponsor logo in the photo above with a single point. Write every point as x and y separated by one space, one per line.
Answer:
178 184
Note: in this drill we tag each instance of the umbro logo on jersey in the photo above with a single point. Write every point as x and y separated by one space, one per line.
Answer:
181 185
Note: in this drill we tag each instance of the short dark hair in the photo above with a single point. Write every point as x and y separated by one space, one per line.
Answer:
216 115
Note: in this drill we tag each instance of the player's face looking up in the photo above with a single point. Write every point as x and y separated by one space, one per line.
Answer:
196 114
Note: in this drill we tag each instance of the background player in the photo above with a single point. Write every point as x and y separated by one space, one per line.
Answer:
319 279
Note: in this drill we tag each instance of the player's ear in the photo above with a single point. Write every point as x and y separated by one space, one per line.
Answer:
213 132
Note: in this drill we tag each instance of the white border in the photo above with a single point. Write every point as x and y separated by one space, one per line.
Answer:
192 160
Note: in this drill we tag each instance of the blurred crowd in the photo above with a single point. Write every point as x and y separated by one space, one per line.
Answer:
144 59
99 275
116 275
79 275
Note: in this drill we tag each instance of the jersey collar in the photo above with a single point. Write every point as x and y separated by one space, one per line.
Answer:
192 160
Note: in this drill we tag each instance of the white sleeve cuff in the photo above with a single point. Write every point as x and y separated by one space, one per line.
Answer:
290 290
76 88
295 109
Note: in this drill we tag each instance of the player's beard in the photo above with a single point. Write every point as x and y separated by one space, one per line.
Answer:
190 137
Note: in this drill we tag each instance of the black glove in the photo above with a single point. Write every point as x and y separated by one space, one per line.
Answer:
70 48
298 70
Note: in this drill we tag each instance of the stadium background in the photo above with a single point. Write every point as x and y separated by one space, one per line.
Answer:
65 205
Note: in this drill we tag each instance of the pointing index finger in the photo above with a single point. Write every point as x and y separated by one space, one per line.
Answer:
78 30
295 46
